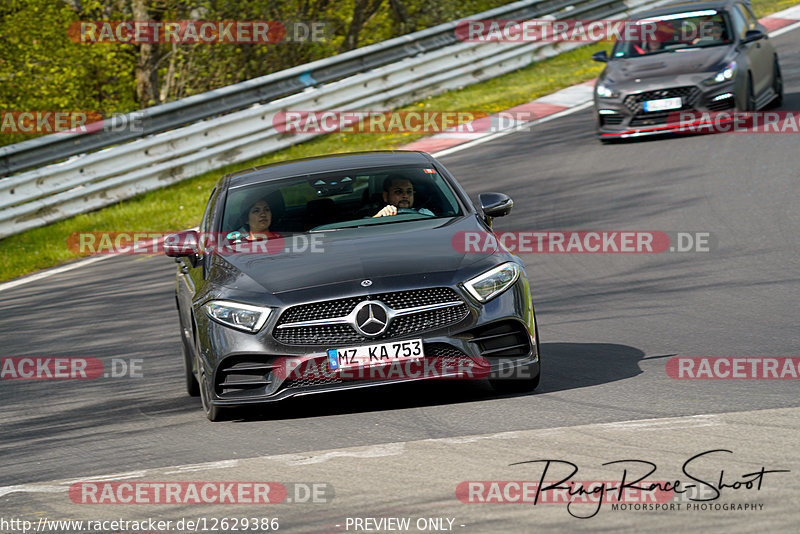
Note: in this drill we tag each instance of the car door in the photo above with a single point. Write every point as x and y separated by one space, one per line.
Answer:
758 52
191 274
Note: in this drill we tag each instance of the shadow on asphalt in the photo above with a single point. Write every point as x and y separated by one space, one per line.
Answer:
565 366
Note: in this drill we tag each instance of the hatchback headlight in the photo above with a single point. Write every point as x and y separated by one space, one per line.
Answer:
604 91
240 316
488 285
724 75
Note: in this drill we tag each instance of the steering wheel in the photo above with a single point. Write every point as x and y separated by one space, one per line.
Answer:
410 210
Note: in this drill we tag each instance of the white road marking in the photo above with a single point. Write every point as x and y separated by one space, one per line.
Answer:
664 424
108 478
81 263
790 13
50 272
497 135
785 29
224 464
387 449
472 439
32 488
375 451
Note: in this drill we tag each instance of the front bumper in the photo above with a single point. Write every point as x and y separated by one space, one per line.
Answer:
624 116
494 340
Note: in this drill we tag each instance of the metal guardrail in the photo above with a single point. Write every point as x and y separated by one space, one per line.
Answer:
97 179
56 147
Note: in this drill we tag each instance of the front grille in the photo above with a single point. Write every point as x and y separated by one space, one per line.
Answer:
442 350
438 356
688 94
243 376
721 105
317 375
505 339
635 103
611 119
652 119
340 334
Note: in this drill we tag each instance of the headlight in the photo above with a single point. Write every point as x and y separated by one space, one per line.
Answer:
724 75
604 91
488 285
241 316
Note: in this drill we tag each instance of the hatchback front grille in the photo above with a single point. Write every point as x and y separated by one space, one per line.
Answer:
688 95
611 119
653 119
721 105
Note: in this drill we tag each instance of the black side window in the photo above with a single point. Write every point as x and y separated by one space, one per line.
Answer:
748 16
207 215
739 22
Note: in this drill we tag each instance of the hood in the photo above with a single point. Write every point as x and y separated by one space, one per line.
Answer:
667 64
414 248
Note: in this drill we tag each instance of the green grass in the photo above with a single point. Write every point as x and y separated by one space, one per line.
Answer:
181 205
762 8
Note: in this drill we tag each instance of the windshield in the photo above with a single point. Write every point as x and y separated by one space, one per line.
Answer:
681 31
344 199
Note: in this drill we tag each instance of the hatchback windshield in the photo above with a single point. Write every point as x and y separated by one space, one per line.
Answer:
681 31
344 199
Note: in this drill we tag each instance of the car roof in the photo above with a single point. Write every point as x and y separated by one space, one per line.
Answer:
328 163
690 6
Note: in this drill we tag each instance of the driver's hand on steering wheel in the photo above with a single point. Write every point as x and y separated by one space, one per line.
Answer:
387 210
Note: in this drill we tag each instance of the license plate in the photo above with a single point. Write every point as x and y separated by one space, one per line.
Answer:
663 104
375 355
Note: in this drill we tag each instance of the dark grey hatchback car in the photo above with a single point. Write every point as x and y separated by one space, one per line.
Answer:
348 271
701 57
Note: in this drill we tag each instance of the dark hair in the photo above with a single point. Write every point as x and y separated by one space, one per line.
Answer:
387 182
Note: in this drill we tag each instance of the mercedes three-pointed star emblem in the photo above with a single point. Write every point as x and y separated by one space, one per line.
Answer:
371 318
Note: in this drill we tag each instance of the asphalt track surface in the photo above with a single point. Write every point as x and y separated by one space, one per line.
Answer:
608 324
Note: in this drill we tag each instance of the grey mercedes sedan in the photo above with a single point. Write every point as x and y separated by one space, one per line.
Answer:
348 271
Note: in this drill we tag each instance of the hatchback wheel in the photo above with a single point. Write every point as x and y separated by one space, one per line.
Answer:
777 86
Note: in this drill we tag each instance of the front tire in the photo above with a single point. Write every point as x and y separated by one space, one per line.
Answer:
750 97
777 86
213 412
192 386
521 385
518 385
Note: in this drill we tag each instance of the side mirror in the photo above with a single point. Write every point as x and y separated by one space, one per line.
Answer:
495 205
753 35
181 245
600 56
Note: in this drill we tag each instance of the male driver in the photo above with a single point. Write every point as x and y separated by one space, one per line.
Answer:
398 192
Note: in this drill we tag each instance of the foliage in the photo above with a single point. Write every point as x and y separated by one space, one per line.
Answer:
42 69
